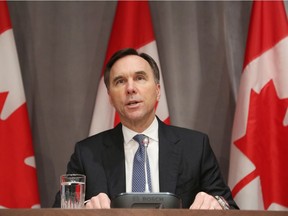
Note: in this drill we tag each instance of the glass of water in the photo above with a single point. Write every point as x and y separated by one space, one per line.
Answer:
72 191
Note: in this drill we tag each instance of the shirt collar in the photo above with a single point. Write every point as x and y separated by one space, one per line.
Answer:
151 132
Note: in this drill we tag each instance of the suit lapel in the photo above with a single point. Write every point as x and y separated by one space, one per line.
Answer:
169 158
114 162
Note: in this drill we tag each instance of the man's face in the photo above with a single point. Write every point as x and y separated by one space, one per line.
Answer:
133 91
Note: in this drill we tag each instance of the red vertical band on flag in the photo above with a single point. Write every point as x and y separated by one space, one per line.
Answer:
262 23
19 187
5 23
132 27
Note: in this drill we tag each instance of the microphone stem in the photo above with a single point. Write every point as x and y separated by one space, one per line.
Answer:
145 168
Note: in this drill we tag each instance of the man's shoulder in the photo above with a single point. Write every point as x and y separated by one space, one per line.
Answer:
181 130
103 137
189 140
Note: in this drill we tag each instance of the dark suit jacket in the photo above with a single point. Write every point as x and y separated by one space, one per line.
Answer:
187 164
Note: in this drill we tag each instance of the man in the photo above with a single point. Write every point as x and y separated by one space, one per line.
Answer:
181 161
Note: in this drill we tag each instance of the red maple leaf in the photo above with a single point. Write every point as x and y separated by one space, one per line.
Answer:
266 145
18 181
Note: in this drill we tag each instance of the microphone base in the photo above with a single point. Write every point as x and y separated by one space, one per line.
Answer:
160 200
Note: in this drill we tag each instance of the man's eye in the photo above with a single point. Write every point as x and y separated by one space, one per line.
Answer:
140 78
119 81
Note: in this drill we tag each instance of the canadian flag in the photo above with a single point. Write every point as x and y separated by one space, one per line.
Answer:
19 187
132 27
258 173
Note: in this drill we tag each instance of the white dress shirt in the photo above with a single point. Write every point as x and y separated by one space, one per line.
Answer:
130 148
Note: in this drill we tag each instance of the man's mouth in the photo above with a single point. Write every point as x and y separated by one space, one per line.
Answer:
131 103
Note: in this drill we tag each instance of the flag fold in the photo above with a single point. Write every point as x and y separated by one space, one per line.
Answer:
257 174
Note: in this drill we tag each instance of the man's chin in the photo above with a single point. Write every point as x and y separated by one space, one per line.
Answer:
133 118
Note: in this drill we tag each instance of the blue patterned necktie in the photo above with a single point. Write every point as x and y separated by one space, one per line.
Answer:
138 176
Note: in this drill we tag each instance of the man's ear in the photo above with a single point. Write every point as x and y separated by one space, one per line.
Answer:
110 100
158 92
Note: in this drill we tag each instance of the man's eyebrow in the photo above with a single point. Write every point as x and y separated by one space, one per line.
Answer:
121 76
141 72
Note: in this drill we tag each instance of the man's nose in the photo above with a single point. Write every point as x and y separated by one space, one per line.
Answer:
130 87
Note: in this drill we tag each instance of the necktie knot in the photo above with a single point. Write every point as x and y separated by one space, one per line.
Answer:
142 141
140 138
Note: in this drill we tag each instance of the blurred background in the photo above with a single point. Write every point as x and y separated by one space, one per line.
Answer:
62 46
